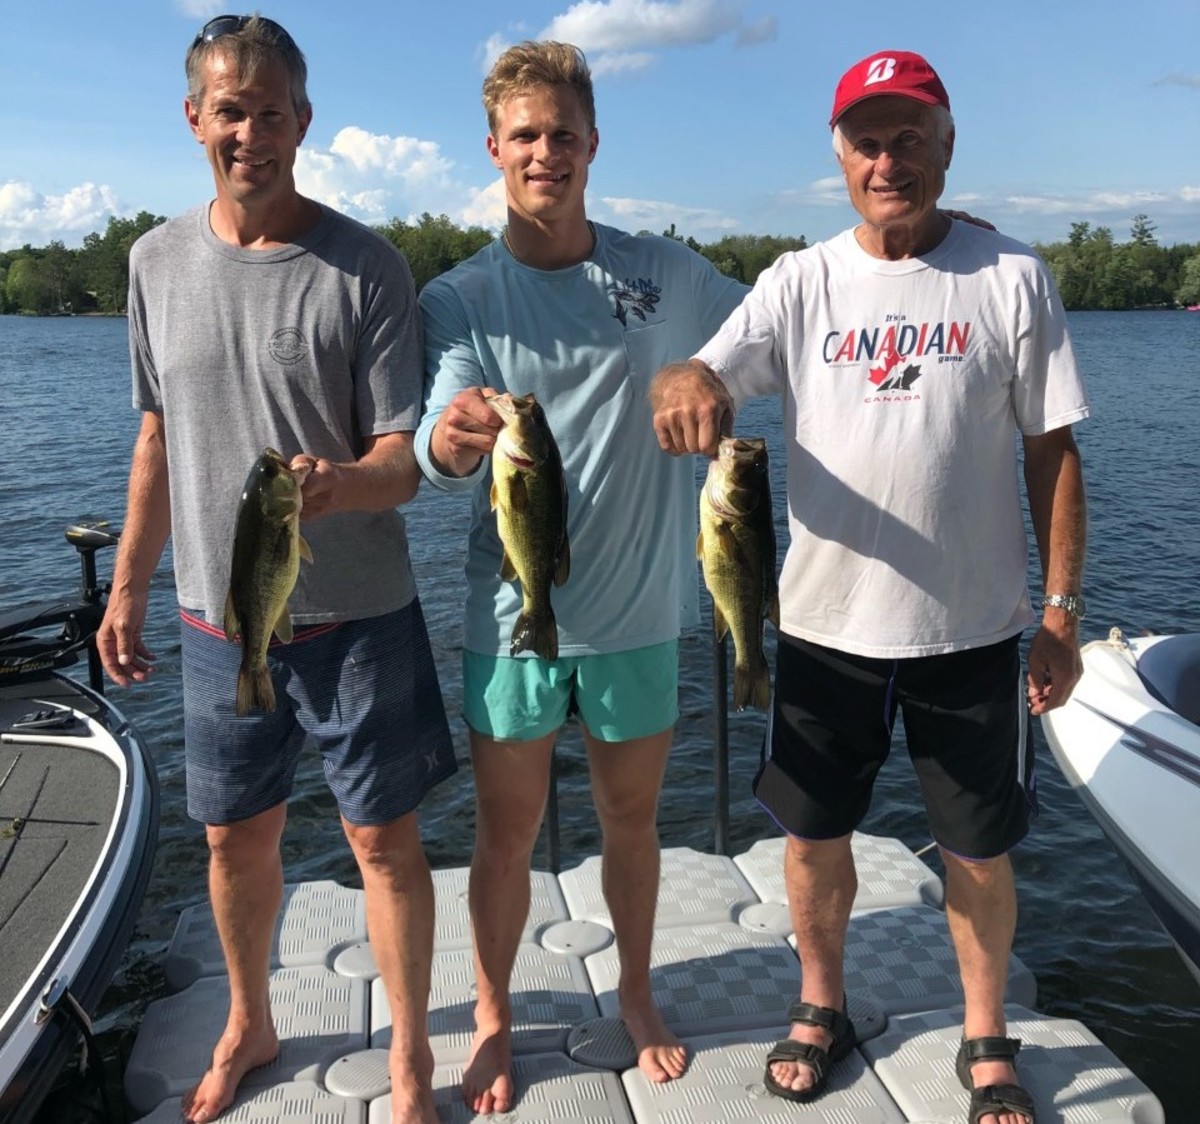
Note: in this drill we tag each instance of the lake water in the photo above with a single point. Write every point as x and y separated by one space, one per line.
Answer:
1084 931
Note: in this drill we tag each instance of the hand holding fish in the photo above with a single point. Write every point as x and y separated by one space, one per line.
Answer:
692 408
466 432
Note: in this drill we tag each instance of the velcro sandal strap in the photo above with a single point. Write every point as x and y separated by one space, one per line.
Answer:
809 1014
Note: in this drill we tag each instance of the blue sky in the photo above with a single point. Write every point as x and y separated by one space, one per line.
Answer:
712 113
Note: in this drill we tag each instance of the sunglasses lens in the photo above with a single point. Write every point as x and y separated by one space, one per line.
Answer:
229 25
222 25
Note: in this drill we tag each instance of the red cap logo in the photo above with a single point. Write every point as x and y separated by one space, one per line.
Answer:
899 73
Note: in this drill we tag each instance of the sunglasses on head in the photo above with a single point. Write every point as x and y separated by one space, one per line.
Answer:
231 25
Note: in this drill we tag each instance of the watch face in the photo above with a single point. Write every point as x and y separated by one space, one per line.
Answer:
1071 602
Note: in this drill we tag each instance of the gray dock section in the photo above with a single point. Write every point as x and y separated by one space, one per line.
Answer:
724 972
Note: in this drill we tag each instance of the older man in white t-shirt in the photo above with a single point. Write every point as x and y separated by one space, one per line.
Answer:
908 351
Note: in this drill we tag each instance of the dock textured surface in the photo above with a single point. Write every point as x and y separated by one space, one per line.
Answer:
724 972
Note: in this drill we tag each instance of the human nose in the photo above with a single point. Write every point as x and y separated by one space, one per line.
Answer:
247 129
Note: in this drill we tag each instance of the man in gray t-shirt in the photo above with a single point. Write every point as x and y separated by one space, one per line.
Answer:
265 319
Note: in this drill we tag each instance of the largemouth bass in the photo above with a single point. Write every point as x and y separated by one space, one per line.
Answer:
736 547
267 549
529 496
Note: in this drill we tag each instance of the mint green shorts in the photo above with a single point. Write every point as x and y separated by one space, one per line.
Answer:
618 695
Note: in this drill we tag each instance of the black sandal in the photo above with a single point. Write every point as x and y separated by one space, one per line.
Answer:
995 1099
816 1058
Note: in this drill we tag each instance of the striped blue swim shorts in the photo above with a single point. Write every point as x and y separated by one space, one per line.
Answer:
366 693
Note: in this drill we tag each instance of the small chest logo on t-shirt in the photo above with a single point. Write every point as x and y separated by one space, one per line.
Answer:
287 346
638 298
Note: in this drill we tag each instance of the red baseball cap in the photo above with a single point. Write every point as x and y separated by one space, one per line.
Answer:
900 73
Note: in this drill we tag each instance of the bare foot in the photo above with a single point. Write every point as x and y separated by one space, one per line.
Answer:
412 1088
796 1075
661 1056
487 1081
236 1053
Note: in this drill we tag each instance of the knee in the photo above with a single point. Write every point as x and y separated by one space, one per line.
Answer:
242 843
818 852
390 849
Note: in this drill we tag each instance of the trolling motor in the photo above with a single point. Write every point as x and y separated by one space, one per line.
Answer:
24 656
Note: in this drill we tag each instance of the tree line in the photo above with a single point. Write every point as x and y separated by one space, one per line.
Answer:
1091 269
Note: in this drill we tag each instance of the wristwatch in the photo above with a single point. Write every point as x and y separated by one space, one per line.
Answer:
1071 602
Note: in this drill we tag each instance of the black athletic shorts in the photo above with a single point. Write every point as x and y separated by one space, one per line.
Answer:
967 728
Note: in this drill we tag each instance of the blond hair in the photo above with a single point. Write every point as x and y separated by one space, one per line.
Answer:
530 65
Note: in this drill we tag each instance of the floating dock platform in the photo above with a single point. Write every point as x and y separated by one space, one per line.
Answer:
724 971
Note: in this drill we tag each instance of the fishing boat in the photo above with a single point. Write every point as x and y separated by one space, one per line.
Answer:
78 826
1129 743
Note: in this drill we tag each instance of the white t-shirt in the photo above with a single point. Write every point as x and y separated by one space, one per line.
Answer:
904 385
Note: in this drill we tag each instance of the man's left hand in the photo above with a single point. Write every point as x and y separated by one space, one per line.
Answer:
1054 667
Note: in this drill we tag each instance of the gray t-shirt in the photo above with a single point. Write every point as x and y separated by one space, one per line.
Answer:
306 348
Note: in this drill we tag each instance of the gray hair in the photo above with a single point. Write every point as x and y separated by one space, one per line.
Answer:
943 126
258 43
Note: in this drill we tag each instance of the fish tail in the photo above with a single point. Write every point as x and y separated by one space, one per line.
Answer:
752 684
535 632
254 689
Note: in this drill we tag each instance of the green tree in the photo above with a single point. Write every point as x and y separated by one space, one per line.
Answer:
434 245
104 259
1189 281
28 286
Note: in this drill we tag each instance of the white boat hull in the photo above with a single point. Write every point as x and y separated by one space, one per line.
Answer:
1135 762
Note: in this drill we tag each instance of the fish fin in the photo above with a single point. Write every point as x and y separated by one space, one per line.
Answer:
254 689
720 624
283 626
562 571
494 496
508 572
518 495
232 624
305 550
727 543
752 685
700 545
538 634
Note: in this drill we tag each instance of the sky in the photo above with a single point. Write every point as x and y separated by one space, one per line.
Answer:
712 113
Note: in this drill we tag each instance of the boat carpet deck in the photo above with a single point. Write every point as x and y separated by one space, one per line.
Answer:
56 808
723 971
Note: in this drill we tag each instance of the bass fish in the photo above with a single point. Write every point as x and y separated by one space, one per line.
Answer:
267 549
529 497
736 548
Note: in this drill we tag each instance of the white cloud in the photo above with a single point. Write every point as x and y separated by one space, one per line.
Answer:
200 9
619 25
488 206
1096 202
1179 79
618 36
26 215
375 177
825 192
651 214
492 48
619 62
